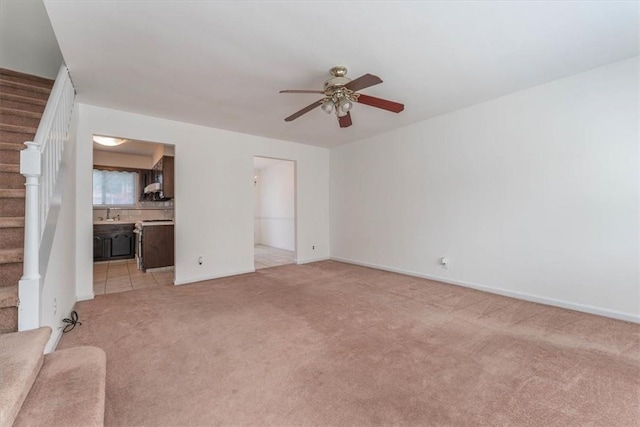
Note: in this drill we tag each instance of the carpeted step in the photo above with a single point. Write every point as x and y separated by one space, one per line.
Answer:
9 309
69 391
11 180
11 222
16 76
8 167
12 202
26 103
8 319
10 274
15 116
9 296
11 232
22 89
11 237
21 354
9 256
16 134
10 153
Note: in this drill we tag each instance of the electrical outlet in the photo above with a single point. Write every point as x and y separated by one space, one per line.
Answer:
55 306
313 247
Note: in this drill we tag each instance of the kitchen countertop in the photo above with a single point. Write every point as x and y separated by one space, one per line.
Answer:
151 223
123 222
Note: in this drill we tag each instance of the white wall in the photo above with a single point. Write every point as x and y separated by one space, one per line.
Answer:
214 193
275 208
25 27
59 284
535 195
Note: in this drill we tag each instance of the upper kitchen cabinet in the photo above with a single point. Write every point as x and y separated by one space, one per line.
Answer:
162 173
165 168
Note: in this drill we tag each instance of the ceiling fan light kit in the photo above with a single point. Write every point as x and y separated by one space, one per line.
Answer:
340 93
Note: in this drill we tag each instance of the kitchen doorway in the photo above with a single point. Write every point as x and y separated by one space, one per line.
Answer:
274 212
133 214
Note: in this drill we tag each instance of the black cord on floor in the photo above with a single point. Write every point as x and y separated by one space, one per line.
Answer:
71 323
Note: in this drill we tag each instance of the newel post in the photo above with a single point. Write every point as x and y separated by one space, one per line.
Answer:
29 287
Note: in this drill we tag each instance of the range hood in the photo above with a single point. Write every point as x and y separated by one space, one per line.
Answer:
156 187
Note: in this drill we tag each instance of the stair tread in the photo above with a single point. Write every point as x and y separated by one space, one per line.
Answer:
24 76
18 129
19 112
20 98
12 193
23 86
9 296
70 389
11 255
11 146
22 357
9 167
11 222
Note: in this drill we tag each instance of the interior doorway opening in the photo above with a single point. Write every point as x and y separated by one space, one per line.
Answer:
274 212
133 214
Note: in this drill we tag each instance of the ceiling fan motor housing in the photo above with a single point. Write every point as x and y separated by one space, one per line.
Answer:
338 78
334 82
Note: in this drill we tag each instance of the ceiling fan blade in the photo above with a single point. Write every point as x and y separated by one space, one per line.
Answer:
304 110
363 82
380 103
301 91
345 121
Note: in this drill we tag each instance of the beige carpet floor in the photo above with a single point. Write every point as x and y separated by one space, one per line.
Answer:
332 344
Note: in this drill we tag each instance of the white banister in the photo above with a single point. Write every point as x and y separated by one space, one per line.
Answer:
50 137
40 164
29 287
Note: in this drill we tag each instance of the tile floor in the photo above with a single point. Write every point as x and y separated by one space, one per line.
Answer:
266 256
120 276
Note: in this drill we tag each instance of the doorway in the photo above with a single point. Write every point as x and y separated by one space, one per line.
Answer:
274 212
133 214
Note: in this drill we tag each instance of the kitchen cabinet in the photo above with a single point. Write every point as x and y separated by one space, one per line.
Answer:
145 177
162 172
157 246
112 242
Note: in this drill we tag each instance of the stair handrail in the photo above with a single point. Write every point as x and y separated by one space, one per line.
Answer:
40 164
50 137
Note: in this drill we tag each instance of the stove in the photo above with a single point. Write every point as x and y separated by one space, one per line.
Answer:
139 231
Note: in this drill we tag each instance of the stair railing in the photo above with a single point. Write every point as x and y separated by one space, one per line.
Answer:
40 164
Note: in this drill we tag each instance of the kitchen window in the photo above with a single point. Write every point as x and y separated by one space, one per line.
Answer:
114 188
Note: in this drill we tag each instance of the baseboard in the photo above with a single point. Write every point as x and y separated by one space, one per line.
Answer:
215 276
85 297
309 260
504 292
54 340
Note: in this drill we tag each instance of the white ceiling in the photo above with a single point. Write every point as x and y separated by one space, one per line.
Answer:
222 63
139 148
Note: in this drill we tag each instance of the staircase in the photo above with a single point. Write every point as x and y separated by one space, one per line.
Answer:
63 388
22 101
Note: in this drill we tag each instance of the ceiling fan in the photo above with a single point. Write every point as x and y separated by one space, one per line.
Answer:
340 92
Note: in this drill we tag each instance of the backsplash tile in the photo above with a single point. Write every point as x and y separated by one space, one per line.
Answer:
129 214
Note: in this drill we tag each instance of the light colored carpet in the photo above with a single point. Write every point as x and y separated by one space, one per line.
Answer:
334 344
